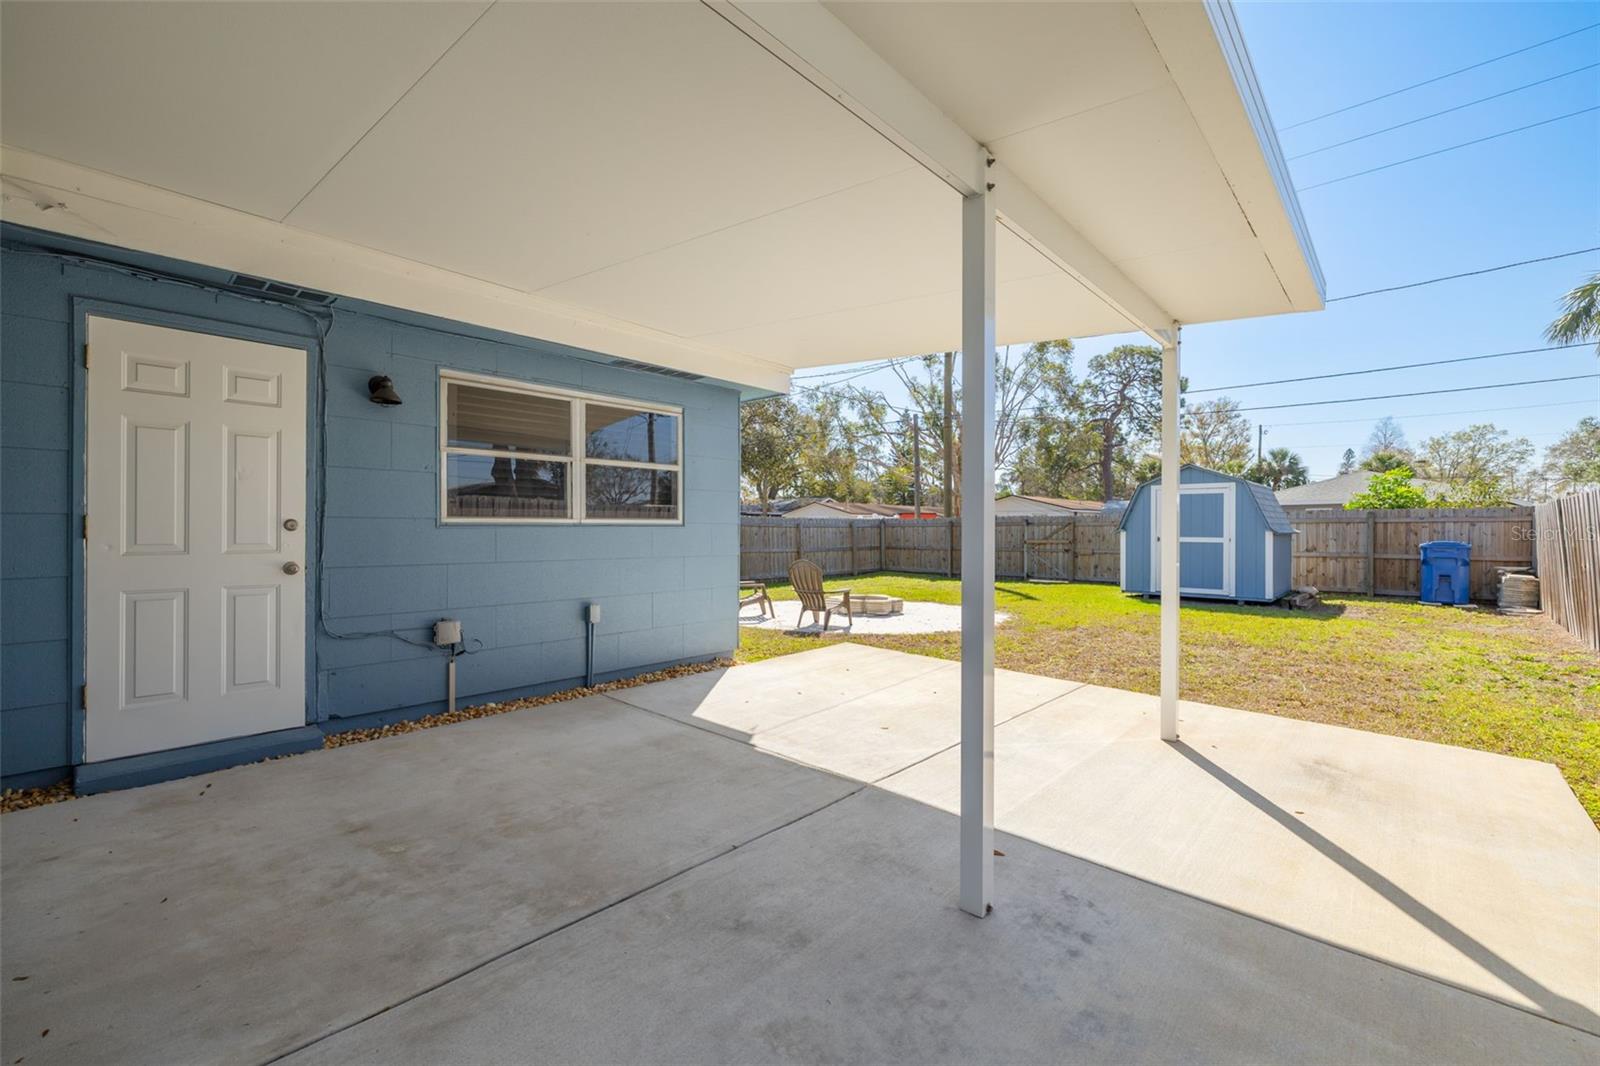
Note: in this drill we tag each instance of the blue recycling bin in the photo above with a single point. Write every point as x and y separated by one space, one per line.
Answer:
1446 572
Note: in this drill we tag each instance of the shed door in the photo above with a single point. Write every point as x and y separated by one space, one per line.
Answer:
1205 539
195 467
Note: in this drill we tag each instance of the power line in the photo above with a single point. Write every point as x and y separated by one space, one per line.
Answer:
1440 414
1341 447
1387 369
1439 77
1446 111
841 381
1452 148
879 365
1468 274
1424 392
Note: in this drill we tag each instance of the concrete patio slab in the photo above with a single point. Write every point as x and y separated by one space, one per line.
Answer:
608 881
231 917
743 702
1473 868
836 940
871 737
855 710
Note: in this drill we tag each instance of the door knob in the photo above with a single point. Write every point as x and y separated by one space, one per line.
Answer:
291 568
290 524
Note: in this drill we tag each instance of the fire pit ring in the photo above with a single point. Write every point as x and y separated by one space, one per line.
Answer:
876 605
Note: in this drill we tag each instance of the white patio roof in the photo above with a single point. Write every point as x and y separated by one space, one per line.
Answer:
735 189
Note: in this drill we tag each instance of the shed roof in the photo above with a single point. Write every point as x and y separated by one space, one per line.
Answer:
1277 520
732 189
1266 502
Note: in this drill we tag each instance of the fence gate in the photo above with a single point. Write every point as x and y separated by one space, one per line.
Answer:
1050 551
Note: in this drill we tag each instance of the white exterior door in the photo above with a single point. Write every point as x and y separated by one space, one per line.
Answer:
1205 539
196 472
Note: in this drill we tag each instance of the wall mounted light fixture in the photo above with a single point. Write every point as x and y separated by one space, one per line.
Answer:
382 390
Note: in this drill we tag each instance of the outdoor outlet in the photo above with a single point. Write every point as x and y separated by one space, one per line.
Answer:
593 614
447 632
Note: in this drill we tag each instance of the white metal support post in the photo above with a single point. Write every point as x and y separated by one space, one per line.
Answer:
1171 497
977 552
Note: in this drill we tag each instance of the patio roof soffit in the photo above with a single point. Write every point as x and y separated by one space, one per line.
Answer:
812 41
735 188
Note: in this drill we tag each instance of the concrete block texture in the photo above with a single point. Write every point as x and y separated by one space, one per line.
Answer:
385 549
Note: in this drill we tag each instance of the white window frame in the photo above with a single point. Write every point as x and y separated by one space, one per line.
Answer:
577 462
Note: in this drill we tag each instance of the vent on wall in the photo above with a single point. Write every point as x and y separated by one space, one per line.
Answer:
629 364
273 288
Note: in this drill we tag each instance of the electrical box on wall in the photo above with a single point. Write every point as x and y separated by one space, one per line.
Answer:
447 632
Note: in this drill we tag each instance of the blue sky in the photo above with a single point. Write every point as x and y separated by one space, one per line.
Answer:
1518 197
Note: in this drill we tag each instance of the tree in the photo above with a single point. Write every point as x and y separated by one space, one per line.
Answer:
1216 436
1473 493
1347 465
1387 436
947 436
1148 468
1061 458
1382 462
1388 490
1490 460
1031 386
1573 462
1121 400
768 458
1580 316
1280 468
841 443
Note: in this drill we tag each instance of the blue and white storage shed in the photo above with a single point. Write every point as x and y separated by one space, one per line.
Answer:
1235 542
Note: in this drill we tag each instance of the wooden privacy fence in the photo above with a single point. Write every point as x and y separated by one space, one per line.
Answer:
1376 552
1373 552
1074 548
1567 536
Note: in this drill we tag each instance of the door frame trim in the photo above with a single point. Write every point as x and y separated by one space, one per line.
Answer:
82 307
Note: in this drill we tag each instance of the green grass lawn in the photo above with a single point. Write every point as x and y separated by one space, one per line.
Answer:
1514 685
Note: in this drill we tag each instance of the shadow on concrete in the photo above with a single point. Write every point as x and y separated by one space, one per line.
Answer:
1553 1004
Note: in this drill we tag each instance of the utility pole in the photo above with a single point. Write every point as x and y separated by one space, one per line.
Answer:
1261 431
949 434
916 468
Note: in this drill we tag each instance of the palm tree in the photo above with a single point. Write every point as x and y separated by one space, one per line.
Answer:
1280 469
1580 321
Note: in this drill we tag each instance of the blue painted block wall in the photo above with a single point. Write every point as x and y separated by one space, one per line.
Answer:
668 593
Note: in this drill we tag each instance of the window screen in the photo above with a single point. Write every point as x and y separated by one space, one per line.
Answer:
511 454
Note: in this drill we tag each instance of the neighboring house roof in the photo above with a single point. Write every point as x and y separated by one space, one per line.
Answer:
872 510
1340 490
844 509
1057 501
780 507
1271 511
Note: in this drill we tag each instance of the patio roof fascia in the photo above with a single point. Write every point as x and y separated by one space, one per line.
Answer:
1232 112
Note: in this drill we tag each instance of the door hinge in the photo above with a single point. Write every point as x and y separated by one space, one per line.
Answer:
84 696
86 355
85 527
